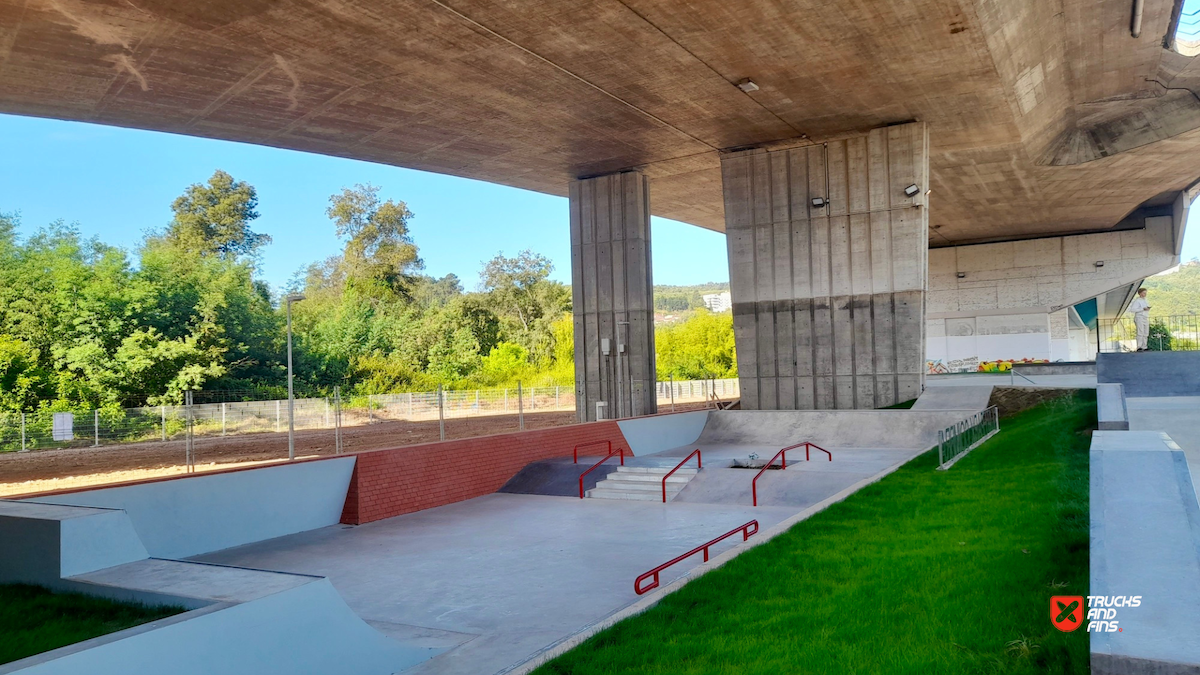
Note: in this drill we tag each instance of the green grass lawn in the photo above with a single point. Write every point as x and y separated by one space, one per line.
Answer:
34 620
924 572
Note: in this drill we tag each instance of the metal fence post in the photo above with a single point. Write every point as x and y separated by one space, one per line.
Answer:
557 406
520 408
441 414
190 434
278 417
163 410
23 432
222 418
672 378
97 428
337 420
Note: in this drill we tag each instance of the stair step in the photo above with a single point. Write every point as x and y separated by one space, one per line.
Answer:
630 495
655 470
649 477
640 485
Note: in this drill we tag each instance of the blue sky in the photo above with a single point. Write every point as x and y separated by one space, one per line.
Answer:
117 183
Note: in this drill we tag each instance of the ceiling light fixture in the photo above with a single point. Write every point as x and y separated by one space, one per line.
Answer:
912 190
1099 263
747 85
818 202
962 275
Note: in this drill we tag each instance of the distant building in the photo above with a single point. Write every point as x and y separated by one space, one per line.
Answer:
718 302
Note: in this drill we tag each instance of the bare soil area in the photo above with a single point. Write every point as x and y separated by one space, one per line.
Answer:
57 469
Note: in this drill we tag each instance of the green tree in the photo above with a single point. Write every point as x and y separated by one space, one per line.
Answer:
379 255
701 347
214 217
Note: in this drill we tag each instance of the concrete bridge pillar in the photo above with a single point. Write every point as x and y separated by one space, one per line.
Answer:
828 259
613 295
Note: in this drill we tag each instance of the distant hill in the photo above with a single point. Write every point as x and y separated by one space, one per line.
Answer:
1177 293
684 298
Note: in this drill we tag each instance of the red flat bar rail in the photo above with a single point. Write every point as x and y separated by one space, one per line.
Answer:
575 452
747 530
808 446
699 465
618 451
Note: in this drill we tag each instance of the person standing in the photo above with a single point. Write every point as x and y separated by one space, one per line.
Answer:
1141 319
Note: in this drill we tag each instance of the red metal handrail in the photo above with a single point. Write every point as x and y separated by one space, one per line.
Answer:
699 465
807 447
618 451
575 452
754 483
746 531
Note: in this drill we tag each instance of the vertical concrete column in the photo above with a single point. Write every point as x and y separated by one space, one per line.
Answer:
829 300
613 295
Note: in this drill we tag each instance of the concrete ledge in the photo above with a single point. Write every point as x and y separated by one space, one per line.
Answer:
1110 407
1145 541
1063 368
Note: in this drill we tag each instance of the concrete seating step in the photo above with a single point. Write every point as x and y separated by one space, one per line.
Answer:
600 492
656 486
655 470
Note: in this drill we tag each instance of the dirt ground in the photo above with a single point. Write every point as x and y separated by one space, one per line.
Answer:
57 469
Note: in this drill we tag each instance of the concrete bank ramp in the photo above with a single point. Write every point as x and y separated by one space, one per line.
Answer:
1152 373
898 429
965 397
1145 540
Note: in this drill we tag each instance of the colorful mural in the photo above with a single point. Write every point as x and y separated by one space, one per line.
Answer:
974 365
1006 365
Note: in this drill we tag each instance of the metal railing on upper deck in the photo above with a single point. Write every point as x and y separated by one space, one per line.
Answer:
1179 333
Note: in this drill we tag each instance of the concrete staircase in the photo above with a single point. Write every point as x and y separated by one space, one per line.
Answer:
641 483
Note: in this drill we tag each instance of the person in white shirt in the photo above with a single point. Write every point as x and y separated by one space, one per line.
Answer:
1141 319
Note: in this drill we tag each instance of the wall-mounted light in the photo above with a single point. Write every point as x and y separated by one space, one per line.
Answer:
818 202
1099 263
912 190
962 275
747 85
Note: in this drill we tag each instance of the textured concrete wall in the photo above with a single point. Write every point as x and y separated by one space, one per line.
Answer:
612 285
1045 274
829 302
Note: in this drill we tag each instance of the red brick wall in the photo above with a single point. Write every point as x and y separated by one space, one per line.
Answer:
392 482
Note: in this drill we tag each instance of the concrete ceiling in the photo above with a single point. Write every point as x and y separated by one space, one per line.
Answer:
1045 116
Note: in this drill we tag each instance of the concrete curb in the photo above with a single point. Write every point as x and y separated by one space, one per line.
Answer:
575 639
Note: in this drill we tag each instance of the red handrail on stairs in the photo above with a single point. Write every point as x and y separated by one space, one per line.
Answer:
699 465
807 447
575 452
618 451
747 530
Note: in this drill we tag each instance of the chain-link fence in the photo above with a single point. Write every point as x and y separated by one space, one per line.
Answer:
112 426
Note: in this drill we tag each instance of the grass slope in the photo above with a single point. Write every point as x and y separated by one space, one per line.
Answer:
924 572
34 620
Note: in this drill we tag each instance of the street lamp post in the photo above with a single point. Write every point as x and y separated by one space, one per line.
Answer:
294 297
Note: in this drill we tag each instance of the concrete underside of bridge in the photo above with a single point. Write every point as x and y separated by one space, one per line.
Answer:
1043 119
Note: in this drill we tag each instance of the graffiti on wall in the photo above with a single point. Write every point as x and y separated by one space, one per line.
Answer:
939 367
1004 366
974 365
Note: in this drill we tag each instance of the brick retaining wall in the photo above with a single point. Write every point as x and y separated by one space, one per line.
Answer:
393 482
